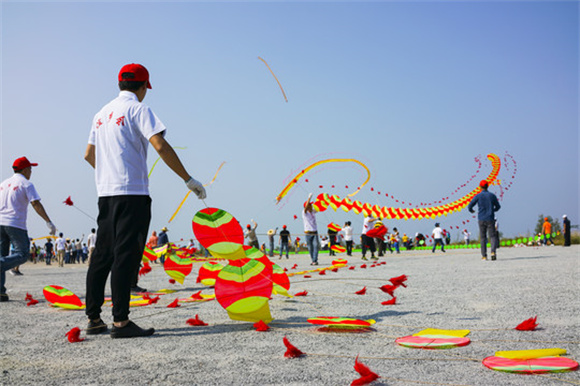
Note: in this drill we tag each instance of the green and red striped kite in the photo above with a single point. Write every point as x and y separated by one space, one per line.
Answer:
62 297
177 268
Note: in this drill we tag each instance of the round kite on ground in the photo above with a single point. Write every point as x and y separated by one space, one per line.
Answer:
333 323
531 361
432 338
531 366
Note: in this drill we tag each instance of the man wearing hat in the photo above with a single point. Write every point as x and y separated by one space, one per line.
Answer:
117 149
487 205
566 230
15 194
271 234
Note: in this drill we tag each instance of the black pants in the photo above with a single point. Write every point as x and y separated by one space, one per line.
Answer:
349 247
367 243
123 225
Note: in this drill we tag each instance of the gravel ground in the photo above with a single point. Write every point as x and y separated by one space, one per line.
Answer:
455 290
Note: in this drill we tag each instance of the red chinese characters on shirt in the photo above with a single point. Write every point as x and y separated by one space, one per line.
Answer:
121 121
111 116
99 123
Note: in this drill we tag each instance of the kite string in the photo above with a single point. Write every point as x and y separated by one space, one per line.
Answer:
189 191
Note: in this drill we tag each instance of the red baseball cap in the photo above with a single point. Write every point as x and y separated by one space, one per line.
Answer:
483 184
139 73
22 163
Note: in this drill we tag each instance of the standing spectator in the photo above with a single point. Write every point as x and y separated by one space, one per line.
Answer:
79 249
297 245
16 193
466 236
69 257
437 237
566 230
271 234
153 240
60 249
311 231
396 239
91 243
348 237
33 253
405 240
547 232
487 205
285 241
447 236
332 241
48 249
162 240
250 234
366 241
85 252
117 150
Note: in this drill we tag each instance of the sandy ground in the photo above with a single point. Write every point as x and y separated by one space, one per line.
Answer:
455 290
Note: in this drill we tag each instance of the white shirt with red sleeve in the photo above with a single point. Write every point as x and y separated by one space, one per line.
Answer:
120 133
16 193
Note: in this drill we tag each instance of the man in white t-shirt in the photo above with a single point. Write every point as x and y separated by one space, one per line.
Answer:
348 237
437 237
60 245
117 149
91 243
16 193
366 241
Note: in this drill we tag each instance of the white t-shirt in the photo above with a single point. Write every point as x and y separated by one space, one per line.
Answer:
60 244
437 233
120 133
347 233
92 240
368 224
16 193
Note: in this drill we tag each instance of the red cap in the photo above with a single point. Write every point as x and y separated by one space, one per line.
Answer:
483 184
22 163
284 226
140 73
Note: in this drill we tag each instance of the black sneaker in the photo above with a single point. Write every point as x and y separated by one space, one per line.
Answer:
364 258
493 256
3 298
131 330
137 289
374 258
95 328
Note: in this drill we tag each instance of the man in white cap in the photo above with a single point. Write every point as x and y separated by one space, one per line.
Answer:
566 230
15 194
117 149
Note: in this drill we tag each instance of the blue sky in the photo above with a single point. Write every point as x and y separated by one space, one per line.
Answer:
415 90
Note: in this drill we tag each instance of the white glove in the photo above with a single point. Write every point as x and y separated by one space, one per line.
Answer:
196 187
51 227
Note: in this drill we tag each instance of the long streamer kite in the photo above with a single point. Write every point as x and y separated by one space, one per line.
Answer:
324 200
187 194
279 85
293 182
158 158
